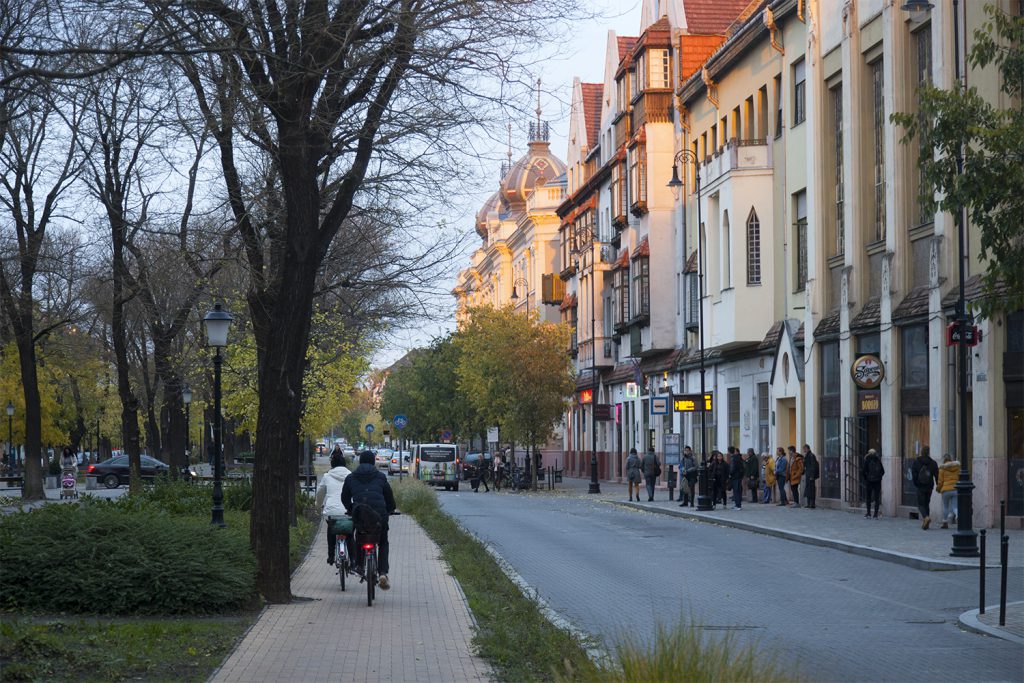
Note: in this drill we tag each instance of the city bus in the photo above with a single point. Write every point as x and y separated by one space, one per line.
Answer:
438 464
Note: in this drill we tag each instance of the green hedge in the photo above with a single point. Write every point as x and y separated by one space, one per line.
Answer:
125 557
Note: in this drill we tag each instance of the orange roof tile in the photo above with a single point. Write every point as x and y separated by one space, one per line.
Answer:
714 17
623 260
592 93
626 44
568 302
642 249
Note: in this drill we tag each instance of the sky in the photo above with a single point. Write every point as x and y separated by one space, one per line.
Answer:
582 56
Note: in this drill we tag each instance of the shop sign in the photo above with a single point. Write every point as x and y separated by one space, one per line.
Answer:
869 402
586 396
632 390
867 372
691 403
660 405
972 335
602 412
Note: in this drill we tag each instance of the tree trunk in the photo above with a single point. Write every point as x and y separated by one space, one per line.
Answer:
118 336
31 457
172 445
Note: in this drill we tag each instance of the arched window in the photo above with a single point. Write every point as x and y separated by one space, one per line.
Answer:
753 249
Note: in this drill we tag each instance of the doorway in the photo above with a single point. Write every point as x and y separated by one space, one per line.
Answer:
785 428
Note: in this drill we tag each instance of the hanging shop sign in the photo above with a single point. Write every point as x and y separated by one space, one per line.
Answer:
867 372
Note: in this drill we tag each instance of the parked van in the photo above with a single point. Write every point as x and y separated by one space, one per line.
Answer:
438 464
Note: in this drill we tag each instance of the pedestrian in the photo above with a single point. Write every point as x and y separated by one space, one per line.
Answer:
768 476
781 474
949 473
872 472
328 499
499 470
750 467
725 475
924 472
634 474
688 478
796 472
736 470
485 472
652 470
811 473
68 461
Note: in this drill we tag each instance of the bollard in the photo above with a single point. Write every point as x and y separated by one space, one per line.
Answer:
1004 557
1002 518
981 577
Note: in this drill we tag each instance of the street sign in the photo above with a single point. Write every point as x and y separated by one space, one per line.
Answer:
400 421
602 412
691 403
446 435
492 435
972 335
369 429
660 405
673 448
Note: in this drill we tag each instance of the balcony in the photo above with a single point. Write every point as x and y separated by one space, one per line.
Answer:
623 129
653 106
738 155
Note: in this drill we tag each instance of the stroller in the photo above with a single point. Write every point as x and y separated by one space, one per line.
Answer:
67 483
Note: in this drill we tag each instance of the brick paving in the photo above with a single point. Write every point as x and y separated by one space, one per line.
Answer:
420 630
1014 617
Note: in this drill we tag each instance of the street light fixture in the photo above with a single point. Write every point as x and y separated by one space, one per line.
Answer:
521 281
12 458
186 397
686 156
586 235
965 539
217 322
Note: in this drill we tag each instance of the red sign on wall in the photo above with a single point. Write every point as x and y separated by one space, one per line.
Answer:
972 335
587 396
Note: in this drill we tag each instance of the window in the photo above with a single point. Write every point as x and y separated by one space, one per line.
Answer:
642 286
726 253
618 190
622 90
799 96
692 300
778 105
762 113
635 78
734 416
878 141
660 73
830 373
763 417
800 235
638 179
922 42
753 249
622 290
915 357
836 102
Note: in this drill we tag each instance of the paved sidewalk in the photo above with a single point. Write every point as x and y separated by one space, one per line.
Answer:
419 630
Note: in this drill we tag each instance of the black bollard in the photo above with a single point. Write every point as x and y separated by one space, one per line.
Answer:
1004 558
981 577
1002 518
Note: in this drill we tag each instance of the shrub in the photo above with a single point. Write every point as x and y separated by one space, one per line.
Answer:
124 557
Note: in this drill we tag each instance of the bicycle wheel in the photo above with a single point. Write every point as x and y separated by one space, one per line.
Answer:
341 561
371 576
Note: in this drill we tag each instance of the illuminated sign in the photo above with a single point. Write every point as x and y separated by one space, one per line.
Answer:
867 372
660 405
587 396
691 403
632 390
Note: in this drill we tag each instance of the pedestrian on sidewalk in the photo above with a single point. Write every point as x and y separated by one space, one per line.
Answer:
781 473
736 470
719 478
750 467
796 473
872 472
949 473
652 470
328 499
924 472
768 476
811 474
634 474
688 478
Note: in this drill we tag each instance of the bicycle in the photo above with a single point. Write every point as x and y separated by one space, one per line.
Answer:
368 538
342 530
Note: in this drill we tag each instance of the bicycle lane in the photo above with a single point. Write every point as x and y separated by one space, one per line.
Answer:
418 630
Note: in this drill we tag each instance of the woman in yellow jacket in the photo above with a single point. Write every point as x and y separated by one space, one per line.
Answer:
949 472
796 473
768 477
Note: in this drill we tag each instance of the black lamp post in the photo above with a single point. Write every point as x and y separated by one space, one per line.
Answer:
521 282
217 322
12 458
965 539
687 156
186 397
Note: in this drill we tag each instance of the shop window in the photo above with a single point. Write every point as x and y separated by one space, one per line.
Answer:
830 372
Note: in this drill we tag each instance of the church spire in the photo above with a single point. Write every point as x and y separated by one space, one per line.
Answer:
538 129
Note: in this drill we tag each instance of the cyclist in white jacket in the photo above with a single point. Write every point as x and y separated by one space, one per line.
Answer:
328 498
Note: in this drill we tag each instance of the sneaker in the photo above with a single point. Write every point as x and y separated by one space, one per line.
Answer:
736 508
383 582
927 521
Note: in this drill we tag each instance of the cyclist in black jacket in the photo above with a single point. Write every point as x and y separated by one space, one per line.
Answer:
369 486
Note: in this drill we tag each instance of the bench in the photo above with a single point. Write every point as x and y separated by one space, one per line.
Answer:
11 482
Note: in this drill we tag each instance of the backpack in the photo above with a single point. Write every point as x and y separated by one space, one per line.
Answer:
366 519
924 475
657 468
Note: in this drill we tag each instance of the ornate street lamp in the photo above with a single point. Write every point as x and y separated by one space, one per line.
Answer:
186 397
217 322
965 539
12 457
521 282
686 156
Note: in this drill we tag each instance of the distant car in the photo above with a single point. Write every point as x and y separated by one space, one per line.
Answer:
382 456
401 461
471 464
321 448
114 472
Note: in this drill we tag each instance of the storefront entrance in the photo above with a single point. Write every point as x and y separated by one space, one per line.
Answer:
862 433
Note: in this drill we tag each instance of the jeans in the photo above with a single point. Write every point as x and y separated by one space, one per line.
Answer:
795 488
874 492
811 493
924 499
767 494
949 507
650 487
782 492
737 493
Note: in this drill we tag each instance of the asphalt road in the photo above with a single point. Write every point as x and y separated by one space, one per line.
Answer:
823 614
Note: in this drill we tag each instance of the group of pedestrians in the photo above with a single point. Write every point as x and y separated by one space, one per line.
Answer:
792 468
928 476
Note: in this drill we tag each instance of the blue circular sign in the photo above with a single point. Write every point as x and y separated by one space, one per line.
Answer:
400 421
446 435
369 429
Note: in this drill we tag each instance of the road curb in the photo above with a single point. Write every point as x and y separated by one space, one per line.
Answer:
913 561
971 622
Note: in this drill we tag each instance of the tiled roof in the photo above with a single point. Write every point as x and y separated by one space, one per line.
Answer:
714 17
623 260
660 362
798 336
660 25
829 325
691 264
869 316
626 44
592 93
914 304
568 302
620 373
771 340
973 291
642 249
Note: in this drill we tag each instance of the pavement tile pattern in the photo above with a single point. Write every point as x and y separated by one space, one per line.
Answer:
420 630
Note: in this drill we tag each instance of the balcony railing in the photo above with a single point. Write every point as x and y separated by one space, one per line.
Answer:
623 130
652 107
738 154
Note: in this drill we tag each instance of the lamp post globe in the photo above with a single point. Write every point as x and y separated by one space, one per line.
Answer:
217 323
